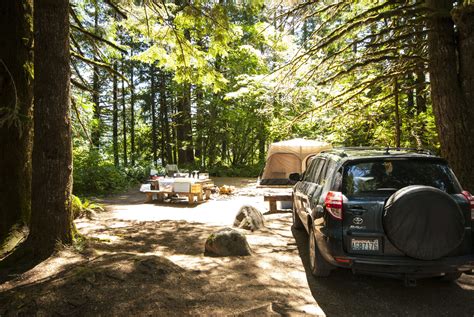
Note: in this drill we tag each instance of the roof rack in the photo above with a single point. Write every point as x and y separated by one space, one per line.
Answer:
386 149
408 149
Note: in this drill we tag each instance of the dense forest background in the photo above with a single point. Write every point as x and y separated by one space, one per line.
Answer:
208 84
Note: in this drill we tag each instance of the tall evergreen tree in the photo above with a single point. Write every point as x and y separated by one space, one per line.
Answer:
451 66
51 219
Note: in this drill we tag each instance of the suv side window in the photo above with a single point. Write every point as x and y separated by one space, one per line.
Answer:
309 160
313 169
325 172
315 176
309 172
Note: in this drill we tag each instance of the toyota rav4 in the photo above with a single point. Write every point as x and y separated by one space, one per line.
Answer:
396 212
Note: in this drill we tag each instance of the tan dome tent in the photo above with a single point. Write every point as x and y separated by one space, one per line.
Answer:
287 157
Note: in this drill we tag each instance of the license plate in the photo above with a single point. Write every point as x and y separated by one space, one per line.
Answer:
365 244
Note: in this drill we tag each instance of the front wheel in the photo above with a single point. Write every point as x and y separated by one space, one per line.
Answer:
317 264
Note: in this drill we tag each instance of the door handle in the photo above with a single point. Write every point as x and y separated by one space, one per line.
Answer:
357 210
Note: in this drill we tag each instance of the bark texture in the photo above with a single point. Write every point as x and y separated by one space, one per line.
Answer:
51 219
451 67
16 110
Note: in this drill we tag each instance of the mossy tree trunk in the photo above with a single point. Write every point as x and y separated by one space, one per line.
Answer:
16 110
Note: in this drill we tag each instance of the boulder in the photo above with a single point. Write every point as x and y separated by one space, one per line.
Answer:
249 218
227 242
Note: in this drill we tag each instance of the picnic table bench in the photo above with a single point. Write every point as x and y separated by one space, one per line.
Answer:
273 198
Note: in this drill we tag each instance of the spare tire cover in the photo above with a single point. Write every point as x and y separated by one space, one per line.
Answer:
423 222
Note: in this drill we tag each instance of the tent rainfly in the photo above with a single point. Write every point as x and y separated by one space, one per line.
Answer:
287 157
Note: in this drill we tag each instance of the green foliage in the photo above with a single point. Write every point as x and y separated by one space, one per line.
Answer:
84 208
95 175
255 72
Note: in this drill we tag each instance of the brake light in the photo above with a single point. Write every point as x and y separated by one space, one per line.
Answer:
470 199
333 204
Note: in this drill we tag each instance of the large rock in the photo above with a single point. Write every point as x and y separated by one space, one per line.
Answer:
226 242
249 218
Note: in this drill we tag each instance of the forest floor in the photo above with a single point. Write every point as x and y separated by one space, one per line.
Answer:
147 259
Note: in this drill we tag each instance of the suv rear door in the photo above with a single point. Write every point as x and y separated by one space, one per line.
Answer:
368 183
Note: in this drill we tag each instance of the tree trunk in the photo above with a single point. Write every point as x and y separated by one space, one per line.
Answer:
16 99
451 91
51 219
212 142
188 127
95 135
224 148
464 18
132 116
261 145
184 121
174 129
183 125
165 126
153 116
397 114
199 124
420 92
124 119
115 118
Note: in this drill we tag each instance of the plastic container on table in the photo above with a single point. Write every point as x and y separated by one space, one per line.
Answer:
166 184
182 185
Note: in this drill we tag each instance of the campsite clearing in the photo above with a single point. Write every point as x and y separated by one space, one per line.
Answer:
147 259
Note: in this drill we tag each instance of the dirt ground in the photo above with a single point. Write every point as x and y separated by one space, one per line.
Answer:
147 260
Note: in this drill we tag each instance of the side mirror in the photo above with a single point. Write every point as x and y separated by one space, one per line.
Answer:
319 212
295 177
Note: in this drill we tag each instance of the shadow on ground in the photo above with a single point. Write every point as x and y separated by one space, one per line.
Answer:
346 294
158 268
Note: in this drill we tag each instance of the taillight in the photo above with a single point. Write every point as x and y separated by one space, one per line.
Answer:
333 204
470 199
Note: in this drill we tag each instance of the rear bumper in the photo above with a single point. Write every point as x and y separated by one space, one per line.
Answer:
409 266
332 250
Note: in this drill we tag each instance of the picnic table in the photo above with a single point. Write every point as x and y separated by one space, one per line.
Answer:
199 190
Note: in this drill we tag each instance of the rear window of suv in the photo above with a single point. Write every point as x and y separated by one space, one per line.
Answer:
369 177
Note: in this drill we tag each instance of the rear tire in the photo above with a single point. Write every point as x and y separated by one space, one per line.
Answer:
297 223
317 264
451 277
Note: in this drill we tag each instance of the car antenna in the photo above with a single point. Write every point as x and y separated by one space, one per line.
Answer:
386 150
